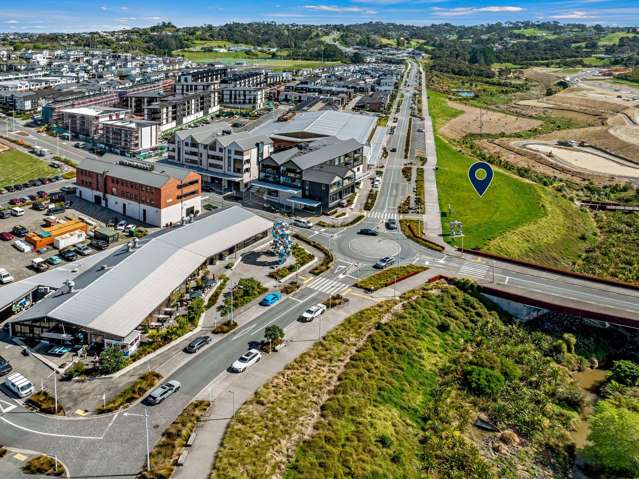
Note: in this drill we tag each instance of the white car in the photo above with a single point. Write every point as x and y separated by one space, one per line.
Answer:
129 228
247 359
313 312
121 225
302 223
5 276
22 246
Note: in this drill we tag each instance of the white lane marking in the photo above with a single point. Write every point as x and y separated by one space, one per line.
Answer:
507 279
8 406
51 434
242 333
288 311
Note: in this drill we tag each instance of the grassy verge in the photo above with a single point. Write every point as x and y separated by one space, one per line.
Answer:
45 403
352 222
370 199
508 204
285 406
405 403
302 258
420 198
131 393
18 167
389 276
326 262
439 109
44 466
166 452
556 239
246 291
412 230
407 171
409 133
215 296
225 327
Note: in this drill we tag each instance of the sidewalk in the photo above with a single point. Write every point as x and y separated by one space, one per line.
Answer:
229 391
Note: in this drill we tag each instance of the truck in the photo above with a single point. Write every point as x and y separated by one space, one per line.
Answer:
39 264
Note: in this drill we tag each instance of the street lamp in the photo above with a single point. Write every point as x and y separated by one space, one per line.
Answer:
233 396
146 427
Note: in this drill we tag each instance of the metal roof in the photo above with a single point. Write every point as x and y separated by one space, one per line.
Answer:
316 152
116 299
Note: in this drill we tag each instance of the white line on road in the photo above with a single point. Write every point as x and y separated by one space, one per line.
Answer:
69 436
243 332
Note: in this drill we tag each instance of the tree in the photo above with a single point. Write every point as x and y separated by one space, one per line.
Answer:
614 439
625 372
112 359
274 334
483 381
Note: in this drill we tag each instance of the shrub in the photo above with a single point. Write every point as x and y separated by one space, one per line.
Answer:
389 276
328 259
246 291
225 327
112 359
302 258
290 288
45 403
44 465
78 369
131 393
370 200
222 280
625 372
483 381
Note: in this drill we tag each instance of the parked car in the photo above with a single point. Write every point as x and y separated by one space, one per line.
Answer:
393 149
6 236
39 206
4 214
271 298
391 224
42 194
68 189
5 366
198 343
5 276
22 246
313 312
368 232
121 225
55 210
160 394
69 255
39 265
302 223
83 250
18 187
10 188
111 222
54 164
99 244
384 262
16 201
53 260
19 230
19 385
246 360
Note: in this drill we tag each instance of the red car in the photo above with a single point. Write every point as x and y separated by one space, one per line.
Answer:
6 236
16 201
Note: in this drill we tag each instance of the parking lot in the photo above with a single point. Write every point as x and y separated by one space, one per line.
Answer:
18 263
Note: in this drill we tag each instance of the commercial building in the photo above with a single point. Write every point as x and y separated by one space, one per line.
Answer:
129 136
117 296
87 121
314 176
226 161
153 193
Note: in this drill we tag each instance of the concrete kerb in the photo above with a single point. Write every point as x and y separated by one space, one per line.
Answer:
29 452
303 268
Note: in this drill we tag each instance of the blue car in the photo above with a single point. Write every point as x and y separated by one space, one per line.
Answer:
271 298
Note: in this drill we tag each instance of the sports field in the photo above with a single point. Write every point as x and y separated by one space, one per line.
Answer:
18 167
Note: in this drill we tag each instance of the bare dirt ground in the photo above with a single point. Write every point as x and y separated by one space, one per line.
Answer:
488 121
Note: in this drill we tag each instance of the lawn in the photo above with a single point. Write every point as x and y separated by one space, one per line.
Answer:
259 58
439 109
508 204
18 167
614 37
535 32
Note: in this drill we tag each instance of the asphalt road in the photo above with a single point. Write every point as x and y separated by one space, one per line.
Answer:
114 445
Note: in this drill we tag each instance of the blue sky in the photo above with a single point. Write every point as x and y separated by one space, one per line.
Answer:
83 15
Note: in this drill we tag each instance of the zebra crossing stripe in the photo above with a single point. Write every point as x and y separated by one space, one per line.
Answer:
382 215
473 270
328 286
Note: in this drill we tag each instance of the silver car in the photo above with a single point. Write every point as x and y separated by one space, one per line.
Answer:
160 394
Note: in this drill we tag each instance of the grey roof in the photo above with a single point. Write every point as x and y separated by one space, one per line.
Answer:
325 174
115 300
207 134
316 152
204 134
157 177
340 124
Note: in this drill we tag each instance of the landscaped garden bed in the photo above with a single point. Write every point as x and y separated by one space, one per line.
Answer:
328 259
222 281
45 403
352 222
247 290
410 229
131 393
225 327
44 466
370 200
302 258
389 276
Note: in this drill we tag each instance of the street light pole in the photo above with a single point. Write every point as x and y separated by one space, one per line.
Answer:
233 396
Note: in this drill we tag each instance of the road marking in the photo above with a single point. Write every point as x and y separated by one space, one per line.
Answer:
326 285
243 332
287 311
33 431
9 407
20 457
475 270
507 279
442 260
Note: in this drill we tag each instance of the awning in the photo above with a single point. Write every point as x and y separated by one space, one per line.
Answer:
304 201
273 186
221 175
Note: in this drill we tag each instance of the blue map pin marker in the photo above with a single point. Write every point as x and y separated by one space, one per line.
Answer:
480 184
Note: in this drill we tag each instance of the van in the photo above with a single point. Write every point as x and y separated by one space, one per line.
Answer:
39 265
20 385
15 211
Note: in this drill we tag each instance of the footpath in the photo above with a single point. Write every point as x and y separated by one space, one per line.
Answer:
229 391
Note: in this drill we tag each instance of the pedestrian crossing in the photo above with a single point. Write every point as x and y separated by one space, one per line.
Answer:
382 215
473 269
328 286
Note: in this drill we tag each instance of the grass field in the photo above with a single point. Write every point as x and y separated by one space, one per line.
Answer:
18 167
535 32
614 37
508 204
262 59
439 109
557 239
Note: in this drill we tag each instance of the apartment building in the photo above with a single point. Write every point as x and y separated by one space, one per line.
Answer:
130 136
314 176
175 110
252 98
87 121
227 161
153 193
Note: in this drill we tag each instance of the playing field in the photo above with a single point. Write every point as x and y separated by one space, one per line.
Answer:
508 204
18 167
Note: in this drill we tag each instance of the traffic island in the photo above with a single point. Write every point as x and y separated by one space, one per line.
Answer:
45 403
327 260
45 466
132 393
388 277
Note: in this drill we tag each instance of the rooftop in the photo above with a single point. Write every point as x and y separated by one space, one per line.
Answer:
93 110
307 155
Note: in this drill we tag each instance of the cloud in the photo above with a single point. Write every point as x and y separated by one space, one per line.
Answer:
124 8
12 22
336 9
103 8
287 15
461 11
153 18
576 15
